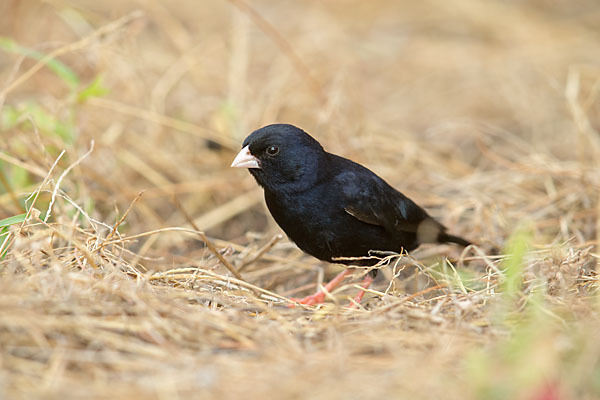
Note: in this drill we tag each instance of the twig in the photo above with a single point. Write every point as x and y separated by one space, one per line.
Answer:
411 297
164 120
285 47
223 260
87 254
262 251
114 230
206 241
62 176
83 42
37 192
246 284
29 168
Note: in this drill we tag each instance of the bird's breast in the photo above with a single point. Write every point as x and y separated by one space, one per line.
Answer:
306 220
318 224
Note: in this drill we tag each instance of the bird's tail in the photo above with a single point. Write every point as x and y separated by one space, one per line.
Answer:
431 231
444 237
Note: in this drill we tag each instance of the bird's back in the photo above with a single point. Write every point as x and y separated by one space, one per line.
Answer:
319 222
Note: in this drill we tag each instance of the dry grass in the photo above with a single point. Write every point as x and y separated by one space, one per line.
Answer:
485 112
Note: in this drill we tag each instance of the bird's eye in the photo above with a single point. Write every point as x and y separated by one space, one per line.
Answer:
272 150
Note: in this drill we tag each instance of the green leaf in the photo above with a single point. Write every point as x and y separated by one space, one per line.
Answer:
19 177
4 224
94 89
517 247
15 219
45 121
9 117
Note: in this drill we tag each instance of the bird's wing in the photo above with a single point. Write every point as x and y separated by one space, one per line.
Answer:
370 199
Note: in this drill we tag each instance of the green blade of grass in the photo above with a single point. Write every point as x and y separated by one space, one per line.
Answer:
4 224
60 69
94 89
518 244
15 219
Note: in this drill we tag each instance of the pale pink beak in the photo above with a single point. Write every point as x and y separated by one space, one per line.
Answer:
245 160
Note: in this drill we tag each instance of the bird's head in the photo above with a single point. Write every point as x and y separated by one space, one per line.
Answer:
281 157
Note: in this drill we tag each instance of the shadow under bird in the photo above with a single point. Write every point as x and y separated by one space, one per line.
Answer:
332 207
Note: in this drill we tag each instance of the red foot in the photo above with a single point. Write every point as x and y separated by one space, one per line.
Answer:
365 285
316 298
319 297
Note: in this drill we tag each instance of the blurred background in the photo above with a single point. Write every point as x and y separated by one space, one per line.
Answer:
484 112
444 100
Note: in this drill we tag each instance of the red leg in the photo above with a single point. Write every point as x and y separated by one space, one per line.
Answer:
365 285
319 297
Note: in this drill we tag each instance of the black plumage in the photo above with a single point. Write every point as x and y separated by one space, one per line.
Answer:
332 207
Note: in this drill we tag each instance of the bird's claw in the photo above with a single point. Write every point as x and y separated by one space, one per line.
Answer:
311 300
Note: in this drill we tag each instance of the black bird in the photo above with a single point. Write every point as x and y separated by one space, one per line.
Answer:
332 207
